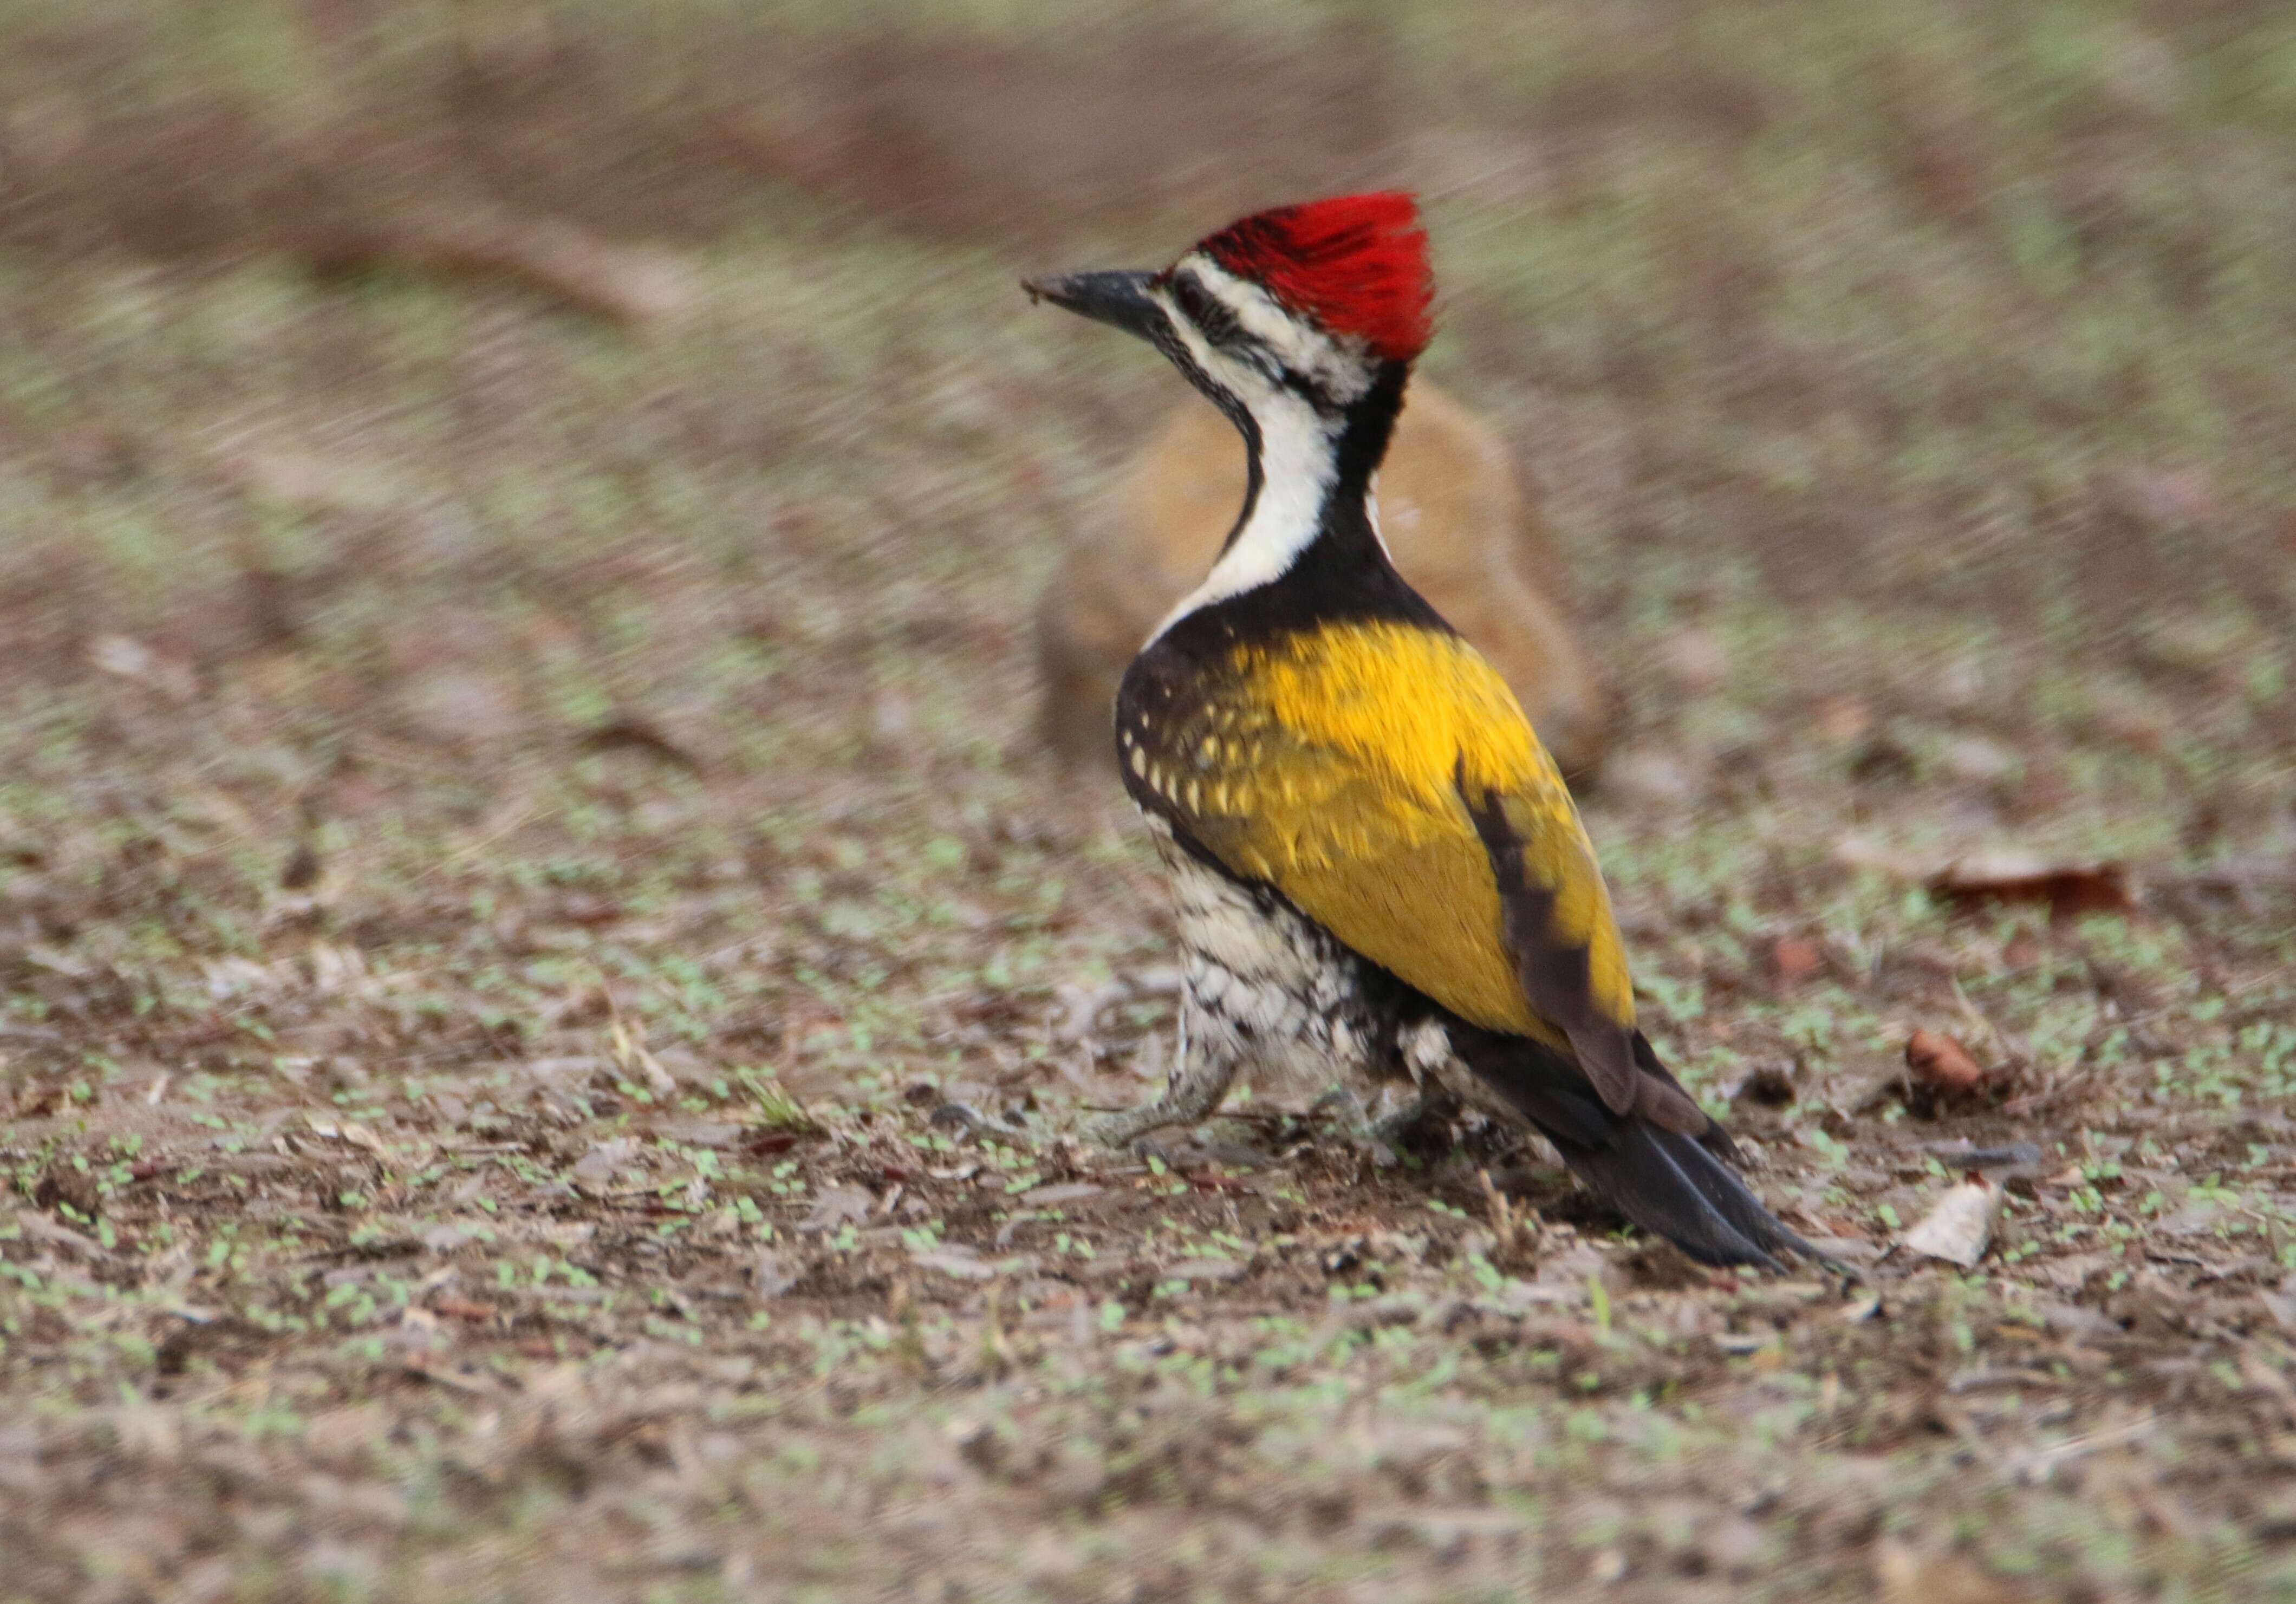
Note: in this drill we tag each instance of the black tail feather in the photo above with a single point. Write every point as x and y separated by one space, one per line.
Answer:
1676 1186
1648 1174
1715 1140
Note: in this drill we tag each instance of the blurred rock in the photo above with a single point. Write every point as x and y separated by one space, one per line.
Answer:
2167 498
891 717
1979 760
1651 775
1961 684
451 706
129 658
1458 523
1696 658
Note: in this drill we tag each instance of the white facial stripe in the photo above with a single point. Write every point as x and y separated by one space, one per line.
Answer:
1298 443
1296 449
1298 455
1342 368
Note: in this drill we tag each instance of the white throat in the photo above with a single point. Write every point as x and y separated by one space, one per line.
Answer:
1299 444
1298 453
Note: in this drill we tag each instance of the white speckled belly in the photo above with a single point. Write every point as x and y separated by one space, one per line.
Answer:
1264 985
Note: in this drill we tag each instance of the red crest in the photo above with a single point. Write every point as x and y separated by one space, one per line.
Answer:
1355 264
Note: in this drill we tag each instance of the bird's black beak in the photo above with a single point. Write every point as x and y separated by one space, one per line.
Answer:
1118 297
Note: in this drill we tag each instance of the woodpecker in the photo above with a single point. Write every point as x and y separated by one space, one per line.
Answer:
1378 871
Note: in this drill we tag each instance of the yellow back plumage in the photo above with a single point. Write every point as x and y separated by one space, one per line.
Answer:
1331 763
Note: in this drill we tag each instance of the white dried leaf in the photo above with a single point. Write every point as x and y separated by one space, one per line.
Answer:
1958 1228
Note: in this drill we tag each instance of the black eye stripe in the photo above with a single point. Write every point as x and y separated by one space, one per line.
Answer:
1211 314
1216 321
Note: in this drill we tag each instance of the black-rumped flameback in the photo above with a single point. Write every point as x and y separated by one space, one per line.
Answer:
1379 873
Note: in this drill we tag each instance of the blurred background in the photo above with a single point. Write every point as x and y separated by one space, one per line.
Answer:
539 507
461 375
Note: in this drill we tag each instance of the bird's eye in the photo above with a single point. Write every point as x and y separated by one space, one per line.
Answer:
1207 312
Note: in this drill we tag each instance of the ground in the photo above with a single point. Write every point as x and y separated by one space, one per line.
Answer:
545 994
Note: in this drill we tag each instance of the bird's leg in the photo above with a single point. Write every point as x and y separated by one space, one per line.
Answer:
1348 1106
1423 1052
1203 1067
1432 1108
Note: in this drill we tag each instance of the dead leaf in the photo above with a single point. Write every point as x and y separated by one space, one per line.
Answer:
455 707
1979 760
631 1052
473 1383
1796 958
1651 775
598 1167
1855 851
771 1274
1979 879
631 734
838 1206
1962 1154
1959 1226
359 1136
40 1228
2067 888
1942 1067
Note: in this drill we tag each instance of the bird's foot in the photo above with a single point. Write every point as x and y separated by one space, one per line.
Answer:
1121 1130
1193 1095
1421 1122
965 1117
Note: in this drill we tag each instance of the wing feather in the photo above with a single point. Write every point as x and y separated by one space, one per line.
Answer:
1383 778
1560 929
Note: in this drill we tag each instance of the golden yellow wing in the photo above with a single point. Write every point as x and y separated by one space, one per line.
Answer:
1383 779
